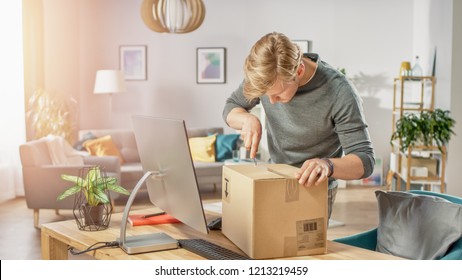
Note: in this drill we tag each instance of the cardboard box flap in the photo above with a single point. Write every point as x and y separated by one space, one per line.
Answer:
263 171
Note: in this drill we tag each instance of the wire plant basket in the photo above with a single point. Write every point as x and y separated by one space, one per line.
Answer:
90 217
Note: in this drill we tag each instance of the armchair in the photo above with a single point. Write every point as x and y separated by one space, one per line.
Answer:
368 239
42 179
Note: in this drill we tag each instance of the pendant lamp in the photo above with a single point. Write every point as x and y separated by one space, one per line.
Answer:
173 16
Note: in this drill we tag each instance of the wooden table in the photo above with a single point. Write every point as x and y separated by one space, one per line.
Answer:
56 237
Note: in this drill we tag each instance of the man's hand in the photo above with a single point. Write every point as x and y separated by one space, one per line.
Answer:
250 127
251 134
312 172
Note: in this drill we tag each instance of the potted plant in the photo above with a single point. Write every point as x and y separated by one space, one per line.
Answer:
92 207
50 114
424 129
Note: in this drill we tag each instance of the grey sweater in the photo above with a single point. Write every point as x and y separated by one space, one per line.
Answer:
324 119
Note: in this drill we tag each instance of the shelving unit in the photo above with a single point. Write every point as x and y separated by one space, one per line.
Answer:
435 164
405 165
405 105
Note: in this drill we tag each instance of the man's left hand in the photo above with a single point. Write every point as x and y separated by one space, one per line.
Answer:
312 172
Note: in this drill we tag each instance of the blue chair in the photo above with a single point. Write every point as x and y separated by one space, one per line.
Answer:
368 239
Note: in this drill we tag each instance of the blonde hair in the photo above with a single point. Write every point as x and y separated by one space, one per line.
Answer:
273 56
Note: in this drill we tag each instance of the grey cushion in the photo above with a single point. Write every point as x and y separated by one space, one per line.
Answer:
79 144
417 226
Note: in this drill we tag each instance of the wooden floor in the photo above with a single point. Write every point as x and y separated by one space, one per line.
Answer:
19 240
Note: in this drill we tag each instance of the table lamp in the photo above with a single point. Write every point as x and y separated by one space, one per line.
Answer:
109 82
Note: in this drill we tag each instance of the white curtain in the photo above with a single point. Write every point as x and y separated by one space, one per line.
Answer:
12 116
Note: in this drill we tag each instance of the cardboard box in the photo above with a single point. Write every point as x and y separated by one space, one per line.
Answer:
267 214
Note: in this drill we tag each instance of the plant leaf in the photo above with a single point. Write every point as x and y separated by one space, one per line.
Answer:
118 189
101 196
106 180
74 179
70 191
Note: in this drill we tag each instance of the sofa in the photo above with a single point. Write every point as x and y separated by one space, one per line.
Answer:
42 174
209 174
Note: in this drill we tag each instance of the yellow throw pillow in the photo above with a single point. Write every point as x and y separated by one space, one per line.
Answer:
103 146
203 148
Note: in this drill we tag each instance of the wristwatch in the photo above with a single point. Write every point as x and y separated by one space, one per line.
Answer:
331 166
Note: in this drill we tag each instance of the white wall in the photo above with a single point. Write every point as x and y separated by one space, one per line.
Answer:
433 26
438 24
371 38
368 38
455 147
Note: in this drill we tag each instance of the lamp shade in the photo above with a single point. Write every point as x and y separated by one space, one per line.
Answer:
109 81
173 16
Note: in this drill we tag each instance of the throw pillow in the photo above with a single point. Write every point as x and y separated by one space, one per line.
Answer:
103 146
79 144
415 226
203 148
225 145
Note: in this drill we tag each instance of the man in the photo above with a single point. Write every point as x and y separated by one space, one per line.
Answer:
314 115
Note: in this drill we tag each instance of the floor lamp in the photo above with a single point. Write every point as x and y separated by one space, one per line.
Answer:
109 82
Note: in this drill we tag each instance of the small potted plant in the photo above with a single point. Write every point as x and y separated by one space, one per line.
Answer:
424 129
92 206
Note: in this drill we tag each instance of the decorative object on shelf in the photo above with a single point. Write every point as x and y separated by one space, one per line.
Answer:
133 62
433 64
211 65
426 129
416 68
173 16
405 69
50 114
92 204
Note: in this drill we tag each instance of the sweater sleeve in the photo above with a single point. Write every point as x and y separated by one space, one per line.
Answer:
352 129
238 100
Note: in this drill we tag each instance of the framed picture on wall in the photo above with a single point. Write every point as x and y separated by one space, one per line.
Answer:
306 46
133 62
211 65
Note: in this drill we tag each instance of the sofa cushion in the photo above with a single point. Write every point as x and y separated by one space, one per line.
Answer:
203 148
417 226
103 146
124 139
79 144
225 145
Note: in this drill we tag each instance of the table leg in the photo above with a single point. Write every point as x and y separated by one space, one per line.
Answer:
53 249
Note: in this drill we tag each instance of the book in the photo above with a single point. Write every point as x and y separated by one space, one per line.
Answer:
139 220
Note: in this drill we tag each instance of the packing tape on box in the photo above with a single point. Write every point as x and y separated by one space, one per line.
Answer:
292 186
